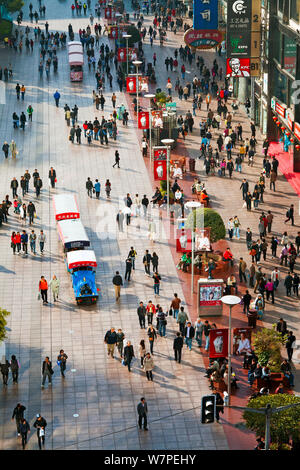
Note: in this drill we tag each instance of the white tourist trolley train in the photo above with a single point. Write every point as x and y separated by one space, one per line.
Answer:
80 258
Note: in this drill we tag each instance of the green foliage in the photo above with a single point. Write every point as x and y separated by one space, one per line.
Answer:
163 185
284 424
5 28
267 344
135 35
161 97
211 219
13 5
3 323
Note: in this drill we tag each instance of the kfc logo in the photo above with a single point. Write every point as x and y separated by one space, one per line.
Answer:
238 67
131 84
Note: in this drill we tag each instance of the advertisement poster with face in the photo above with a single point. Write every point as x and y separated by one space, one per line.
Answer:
241 340
107 13
157 120
183 240
132 54
122 54
218 343
238 67
143 120
131 84
202 242
160 170
143 84
210 295
160 153
113 32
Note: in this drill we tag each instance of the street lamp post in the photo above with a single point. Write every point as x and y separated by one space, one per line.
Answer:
168 143
150 96
193 205
137 63
127 37
230 300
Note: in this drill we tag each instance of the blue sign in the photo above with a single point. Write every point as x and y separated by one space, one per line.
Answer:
205 14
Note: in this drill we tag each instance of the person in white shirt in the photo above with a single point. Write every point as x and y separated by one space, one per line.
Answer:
285 239
137 205
275 277
178 196
244 345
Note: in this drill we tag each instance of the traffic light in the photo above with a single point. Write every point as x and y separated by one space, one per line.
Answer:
208 409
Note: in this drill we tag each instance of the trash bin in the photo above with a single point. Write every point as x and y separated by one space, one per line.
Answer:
192 163
252 318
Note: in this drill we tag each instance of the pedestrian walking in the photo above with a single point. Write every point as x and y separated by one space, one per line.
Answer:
290 215
141 311
175 305
47 371
52 177
111 340
128 268
89 187
128 354
120 220
117 159
14 367
54 286
156 284
24 430
177 346
290 345
43 288
42 241
181 319
152 335
149 366
18 415
120 341
206 330
40 425
142 410
189 333
4 368
62 362
117 282
56 98
199 327
146 262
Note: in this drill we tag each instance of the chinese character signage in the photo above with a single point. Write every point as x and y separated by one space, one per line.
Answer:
218 343
205 14
203 39
160 170
143 120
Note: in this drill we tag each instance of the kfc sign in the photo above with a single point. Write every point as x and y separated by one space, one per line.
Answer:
238 67
131 84
143 120
160 170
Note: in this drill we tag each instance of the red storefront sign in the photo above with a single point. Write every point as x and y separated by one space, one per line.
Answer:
160 170
183 240
107 13
143 120
121 54
297 130
131 84
203 38
160 153
290 121
218 343
113 32
238 67
280 109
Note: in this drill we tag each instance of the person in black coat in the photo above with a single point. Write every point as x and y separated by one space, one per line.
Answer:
246 302
142 410
281 326
189 333
219 405
128 269
40 425
117 159
52 177
289 345
141 311
4 371
24 429
18 414
128 354
177 346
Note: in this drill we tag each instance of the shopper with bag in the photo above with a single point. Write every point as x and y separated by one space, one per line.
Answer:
47 371
62 362
40 425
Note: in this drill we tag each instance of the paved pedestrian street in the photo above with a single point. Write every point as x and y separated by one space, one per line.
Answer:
95 406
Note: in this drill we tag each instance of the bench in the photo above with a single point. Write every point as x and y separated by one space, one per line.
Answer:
275 380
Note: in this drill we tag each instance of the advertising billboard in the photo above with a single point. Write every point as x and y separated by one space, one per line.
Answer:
205 14
218 343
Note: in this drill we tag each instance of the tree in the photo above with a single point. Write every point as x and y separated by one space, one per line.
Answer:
135 35
210 219
12 5
3 323
284 424
267 344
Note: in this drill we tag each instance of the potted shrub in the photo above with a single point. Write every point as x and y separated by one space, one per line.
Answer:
211 219
267 344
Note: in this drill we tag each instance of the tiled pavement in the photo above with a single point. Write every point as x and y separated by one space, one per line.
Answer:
98 389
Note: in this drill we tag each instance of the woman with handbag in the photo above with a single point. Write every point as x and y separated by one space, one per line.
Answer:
149 366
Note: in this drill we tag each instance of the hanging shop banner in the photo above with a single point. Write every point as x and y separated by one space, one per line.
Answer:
205 14
108 13
184 240
160 153
143 84
157 120
113 32
210 295
297 130
218 343
160 170
238 67
203 39
241 339
131 84
143 120
121 54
